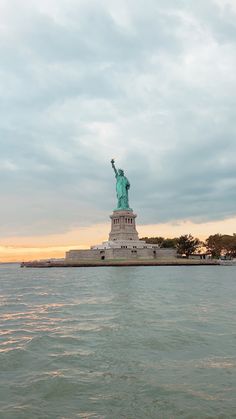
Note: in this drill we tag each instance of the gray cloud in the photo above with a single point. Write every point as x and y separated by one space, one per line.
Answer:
150 83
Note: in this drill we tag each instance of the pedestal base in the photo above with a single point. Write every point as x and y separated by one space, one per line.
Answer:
123 225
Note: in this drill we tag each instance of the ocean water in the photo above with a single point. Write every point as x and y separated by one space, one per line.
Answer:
118 342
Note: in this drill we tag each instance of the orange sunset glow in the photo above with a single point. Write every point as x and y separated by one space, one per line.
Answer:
19 249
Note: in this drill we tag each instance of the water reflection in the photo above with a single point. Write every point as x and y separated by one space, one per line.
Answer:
125 342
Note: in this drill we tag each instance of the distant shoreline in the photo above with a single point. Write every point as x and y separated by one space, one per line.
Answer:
10 263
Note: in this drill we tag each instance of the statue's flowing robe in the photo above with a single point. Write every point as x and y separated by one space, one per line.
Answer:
122 186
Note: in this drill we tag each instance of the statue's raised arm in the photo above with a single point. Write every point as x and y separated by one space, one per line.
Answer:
113 166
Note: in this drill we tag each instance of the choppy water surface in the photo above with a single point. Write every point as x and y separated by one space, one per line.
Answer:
133 342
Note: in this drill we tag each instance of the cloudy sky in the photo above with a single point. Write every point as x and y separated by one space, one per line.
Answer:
151 83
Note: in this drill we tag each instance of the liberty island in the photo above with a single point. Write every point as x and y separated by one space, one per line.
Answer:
123 247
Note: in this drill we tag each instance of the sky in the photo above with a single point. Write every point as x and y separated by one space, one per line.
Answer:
150 83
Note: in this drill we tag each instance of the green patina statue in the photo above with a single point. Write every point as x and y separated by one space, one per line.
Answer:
122 187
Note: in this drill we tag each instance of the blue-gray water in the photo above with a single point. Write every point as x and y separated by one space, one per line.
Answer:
132 342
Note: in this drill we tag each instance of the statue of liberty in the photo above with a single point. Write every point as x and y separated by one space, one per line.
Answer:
122 187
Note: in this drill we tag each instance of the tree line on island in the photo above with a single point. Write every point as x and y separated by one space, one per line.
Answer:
216 245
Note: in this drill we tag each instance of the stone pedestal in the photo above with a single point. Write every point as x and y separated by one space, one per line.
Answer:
123 225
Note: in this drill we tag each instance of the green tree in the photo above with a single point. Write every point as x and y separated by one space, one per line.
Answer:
187 244
153 240
166 243
169 243
229 245
214 244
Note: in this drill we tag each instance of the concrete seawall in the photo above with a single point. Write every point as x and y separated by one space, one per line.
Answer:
91 263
